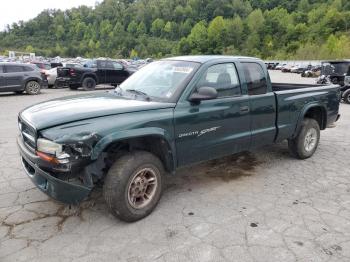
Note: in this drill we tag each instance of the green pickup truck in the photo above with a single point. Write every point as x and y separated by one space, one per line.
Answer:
171 113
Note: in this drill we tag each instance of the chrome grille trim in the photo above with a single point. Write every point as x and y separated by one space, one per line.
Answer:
31 138
28 134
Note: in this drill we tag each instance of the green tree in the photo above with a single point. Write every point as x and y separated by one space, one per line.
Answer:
141 28
234 29
30 49
132 27
270 29
198 38
217 35
133 54
157 27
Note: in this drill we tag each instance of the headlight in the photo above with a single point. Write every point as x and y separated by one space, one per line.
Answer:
49 147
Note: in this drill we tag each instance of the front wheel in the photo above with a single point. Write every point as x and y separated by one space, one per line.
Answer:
305 143
133 185
346 96
32 88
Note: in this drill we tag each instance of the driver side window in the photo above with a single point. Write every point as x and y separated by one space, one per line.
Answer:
222 77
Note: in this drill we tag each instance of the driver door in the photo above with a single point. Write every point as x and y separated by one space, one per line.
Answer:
101 71
213 128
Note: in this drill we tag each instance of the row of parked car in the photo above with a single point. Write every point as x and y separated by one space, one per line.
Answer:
31 77
305 70
327 72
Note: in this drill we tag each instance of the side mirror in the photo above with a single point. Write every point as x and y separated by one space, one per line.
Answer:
203 93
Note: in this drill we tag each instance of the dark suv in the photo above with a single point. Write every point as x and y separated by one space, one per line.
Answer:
18 78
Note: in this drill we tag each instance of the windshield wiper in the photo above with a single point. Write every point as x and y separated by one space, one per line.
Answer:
138 92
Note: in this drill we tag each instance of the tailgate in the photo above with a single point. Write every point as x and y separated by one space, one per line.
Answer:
63 72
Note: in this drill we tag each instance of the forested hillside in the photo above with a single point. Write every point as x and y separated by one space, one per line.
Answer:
300 29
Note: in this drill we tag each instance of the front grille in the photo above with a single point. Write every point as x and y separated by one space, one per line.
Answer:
28 134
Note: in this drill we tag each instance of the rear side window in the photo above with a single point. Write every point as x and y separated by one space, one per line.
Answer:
102 64
14 68
256 79
117 66
28 68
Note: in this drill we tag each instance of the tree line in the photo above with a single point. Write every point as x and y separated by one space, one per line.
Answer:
270 29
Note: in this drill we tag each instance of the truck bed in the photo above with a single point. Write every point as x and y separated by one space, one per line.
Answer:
291 100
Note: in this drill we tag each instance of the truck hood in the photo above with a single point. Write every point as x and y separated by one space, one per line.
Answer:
74 108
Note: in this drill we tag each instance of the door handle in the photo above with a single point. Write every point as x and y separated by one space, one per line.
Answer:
244 109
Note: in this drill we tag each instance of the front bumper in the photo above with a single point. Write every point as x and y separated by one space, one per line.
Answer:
61 190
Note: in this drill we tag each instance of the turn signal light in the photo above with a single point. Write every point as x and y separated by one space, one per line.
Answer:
46 157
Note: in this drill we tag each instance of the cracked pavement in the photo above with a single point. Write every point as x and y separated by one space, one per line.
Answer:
259 206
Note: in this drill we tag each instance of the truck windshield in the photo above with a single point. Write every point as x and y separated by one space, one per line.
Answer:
160 80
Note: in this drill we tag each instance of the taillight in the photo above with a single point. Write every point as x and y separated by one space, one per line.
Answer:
72 72
43 75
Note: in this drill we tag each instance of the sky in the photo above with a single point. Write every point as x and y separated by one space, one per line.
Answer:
16 10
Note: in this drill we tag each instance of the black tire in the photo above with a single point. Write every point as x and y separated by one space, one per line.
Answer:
73 87
33 87
346 96
121 181
298 146
89 84
19 92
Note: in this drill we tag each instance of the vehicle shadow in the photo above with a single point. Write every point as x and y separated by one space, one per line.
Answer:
10 94
193 178
205 174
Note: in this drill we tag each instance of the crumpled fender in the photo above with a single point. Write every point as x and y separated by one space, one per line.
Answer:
127 134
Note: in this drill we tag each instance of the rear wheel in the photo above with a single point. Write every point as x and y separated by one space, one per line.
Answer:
89 83
32 88
133 185
305 143
346 96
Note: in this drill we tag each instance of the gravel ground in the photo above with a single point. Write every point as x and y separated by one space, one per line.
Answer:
259 206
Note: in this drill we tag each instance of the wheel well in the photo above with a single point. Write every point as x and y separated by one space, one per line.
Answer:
319 114
153 144
92 76
31 79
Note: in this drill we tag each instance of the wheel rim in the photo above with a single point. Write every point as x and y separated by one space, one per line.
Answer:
310 139
348 98
142 188
90 84
33 87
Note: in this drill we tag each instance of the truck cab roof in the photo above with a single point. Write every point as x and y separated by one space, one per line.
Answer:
208 58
